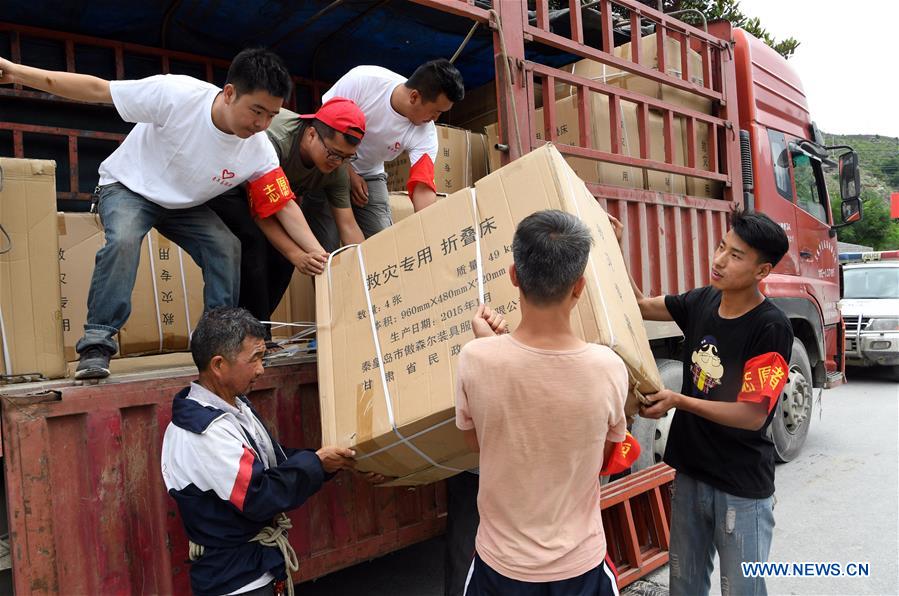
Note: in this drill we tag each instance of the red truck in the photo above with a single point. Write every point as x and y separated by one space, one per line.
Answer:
87 509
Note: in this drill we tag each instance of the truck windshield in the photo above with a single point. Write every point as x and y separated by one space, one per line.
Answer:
871 282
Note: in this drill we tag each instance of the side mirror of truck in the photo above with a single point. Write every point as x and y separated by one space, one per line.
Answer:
850 189
850 178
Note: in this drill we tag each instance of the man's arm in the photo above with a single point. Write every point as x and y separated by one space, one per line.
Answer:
291 217
423 196
358 188
652 309
471 440
309 263
70 85
347 226
740 414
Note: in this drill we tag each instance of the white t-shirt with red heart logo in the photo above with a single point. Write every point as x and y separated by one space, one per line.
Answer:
175 156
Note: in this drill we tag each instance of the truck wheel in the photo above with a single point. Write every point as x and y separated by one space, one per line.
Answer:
653 434
794 409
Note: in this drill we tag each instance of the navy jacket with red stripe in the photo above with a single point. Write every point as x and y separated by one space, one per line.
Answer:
225 494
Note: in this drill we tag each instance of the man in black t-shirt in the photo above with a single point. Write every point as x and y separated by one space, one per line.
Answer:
737 349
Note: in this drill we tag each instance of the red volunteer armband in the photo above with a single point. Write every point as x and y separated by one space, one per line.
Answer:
269 193
764 378
421 172
623 456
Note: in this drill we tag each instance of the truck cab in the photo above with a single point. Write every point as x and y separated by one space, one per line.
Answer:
870 308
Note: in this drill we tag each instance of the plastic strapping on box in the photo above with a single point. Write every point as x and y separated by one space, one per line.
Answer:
7 359
155 290
383 374
469 164
591 262
477 244
190 330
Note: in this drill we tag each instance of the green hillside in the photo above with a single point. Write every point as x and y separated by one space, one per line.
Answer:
879 159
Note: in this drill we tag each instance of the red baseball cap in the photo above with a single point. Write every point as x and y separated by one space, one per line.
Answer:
341 114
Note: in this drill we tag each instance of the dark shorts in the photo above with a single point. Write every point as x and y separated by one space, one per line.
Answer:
484 581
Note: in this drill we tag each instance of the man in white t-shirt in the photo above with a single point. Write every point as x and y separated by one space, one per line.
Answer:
399 116
191 142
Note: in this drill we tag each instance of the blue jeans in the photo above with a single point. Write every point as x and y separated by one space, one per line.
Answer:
705 519
127 217
372 218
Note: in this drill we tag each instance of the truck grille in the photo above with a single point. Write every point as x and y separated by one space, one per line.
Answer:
859 323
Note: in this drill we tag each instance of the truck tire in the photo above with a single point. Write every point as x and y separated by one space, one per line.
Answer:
653 434
789 427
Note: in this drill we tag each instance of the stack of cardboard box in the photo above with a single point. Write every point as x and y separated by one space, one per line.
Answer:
167 300
567 121
30 313
461 160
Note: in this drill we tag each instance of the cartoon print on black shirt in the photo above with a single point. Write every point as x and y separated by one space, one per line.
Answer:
707 369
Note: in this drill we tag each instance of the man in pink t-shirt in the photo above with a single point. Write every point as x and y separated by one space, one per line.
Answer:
544 408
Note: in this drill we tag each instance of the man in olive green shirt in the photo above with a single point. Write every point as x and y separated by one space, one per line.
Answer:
312 149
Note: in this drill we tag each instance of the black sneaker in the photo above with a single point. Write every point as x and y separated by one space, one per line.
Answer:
93 363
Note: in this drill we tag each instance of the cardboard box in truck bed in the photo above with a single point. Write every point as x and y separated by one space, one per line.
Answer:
167 300
30 313
461 159
394 313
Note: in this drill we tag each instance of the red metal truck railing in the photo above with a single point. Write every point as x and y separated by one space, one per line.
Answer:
70 45
89 514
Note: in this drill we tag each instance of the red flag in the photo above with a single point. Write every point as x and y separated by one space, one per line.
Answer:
894 205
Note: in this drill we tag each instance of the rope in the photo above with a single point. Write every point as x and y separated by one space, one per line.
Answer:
275 537
508 77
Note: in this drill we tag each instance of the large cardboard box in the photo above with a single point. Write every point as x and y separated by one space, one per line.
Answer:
166 302
477 110
567 132
422 277
654 180
30 313
649 57
80 237
461 159
400 206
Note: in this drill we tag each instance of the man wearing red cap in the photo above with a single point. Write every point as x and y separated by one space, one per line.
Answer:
312 150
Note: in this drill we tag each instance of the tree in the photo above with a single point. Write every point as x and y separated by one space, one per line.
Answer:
876 229
890 171
729 10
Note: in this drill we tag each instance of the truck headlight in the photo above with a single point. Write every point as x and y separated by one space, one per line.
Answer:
883 324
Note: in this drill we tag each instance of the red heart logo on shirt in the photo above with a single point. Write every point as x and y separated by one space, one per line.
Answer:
226 173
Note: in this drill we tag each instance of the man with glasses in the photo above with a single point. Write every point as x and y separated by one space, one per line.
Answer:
312 149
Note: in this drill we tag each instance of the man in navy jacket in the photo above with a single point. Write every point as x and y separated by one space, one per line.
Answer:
231 479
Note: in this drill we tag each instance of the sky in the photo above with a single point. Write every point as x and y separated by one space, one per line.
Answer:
846 59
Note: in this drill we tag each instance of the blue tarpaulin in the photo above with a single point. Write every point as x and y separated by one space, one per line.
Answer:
396 34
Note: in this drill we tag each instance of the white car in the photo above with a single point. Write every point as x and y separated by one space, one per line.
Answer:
870 308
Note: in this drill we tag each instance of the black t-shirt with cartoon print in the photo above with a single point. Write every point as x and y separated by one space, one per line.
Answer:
717 350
